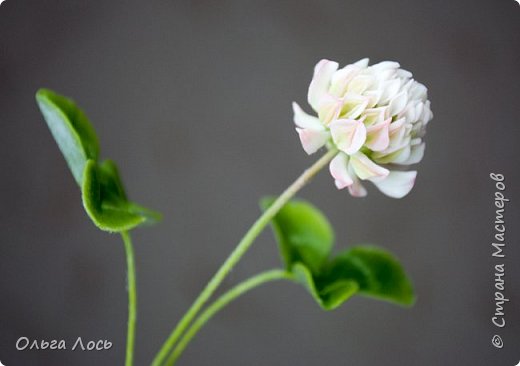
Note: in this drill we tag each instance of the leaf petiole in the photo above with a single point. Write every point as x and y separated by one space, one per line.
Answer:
221 302
239 251
132 298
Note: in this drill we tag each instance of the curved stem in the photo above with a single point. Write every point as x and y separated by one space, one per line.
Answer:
132 298
238 252
222 301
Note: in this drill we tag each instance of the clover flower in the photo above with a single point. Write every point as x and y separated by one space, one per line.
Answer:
375 116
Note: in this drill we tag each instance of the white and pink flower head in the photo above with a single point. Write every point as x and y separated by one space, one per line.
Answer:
375 116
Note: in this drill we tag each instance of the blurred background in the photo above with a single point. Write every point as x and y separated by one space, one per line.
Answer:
193 100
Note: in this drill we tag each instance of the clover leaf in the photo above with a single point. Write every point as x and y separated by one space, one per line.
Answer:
305 240
377 272
103 194
303 234
71 129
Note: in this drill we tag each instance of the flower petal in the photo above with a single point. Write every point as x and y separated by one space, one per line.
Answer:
401 156
397 184
397 132
362 63
386 74
427 114
398 103
409 112
348 134
393 154
385 65
405 74
323 72
418 91
416 154
390 90
365 168
374 116
304 120
356 189
329 108
353 105
338 168
378 137
312 140
359 84
373 96
341 79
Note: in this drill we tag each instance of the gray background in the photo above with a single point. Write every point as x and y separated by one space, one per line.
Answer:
192 99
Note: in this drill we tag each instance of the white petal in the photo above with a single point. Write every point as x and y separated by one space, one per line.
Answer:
396 125
374 96
323 72
374 116
397 132
329 108
427 114
415 141
416 154
405 74
385 75
418 91
356 189
407 85
338 170
359 84
348 134
378 136
353 105
362 63
398 103
384 65
397 184
418 112
312 140
390 89
304 120
401 156
393 154
365 168
408 112
342 78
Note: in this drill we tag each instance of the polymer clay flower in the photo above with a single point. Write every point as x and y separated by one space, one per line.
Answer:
375 116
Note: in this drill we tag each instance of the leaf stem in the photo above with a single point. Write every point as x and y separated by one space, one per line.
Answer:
221 302
132 298
239 251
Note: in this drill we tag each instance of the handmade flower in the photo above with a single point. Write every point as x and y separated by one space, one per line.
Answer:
375 116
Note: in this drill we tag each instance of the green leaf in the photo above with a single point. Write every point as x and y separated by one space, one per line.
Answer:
330 295
151 216
71 129
305 239
105 201
303 233
377 272
110 182
102 190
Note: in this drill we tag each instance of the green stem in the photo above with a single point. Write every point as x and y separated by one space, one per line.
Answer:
222 301
132 298
238 252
